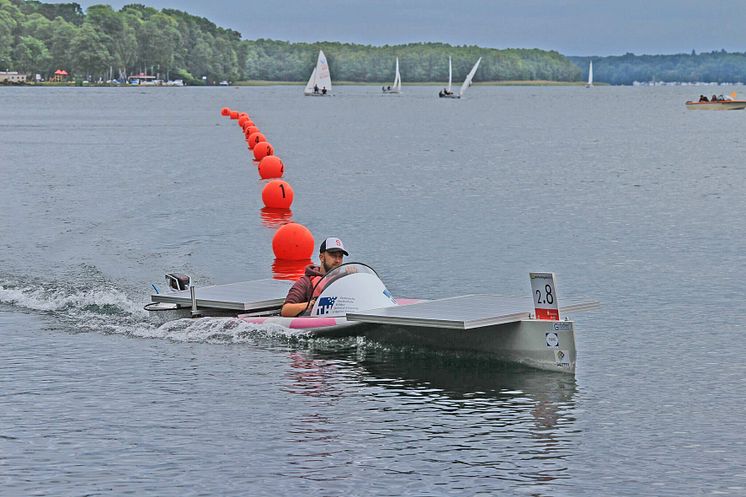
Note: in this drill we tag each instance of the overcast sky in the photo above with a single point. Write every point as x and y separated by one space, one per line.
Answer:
572 27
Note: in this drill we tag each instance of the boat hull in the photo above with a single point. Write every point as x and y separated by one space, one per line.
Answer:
542 344
547 345
721 105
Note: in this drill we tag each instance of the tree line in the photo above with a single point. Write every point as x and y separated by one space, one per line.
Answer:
718 66
101 43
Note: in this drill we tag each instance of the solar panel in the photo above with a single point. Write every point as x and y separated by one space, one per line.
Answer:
241 296
465 312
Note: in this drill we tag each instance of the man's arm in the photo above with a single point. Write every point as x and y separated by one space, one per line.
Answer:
297 299
292 310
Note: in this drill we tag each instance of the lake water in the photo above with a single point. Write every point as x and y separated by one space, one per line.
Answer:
627 196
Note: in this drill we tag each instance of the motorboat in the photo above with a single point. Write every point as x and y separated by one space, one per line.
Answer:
716 105
351 300
727 102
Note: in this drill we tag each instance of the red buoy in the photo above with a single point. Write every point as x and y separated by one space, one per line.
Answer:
271 167
225 111
262 150
247 124
277 194
234 114
250 130
293 242
242 121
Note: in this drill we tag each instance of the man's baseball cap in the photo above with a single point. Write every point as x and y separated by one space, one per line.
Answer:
332 244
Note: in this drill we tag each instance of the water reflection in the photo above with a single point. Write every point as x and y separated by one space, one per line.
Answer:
275 218
496 421
289 270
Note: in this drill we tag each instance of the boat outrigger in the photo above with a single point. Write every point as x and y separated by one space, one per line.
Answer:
351 300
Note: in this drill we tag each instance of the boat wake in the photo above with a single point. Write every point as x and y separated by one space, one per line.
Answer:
102 307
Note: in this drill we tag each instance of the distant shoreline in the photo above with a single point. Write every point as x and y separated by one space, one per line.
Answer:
303 83
418 83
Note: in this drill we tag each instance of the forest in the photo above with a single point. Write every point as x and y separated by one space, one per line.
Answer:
719 67
101 44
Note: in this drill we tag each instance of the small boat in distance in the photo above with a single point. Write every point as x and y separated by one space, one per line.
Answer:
590 76
320 82
717 103
396 87
447 92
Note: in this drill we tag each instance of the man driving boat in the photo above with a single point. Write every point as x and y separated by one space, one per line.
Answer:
300 297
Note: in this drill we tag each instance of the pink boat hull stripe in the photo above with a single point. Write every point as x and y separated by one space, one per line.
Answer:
295 323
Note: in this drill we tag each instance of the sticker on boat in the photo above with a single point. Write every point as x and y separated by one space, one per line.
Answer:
552 340
325 305
562 358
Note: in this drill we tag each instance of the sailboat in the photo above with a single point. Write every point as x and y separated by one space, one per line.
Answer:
320 82
590 76
396 87
448 92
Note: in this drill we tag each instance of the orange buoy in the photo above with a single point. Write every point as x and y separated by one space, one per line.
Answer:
234 114
277 194
250 130
262 150
225 111
255 138
242 121
271 166
246 124
243 114
293 242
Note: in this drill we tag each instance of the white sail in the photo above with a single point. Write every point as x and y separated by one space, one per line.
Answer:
311 82
320 78
450 74
397 77
590 75
323 76
469 77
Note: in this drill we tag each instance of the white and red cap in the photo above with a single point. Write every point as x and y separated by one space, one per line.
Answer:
332 244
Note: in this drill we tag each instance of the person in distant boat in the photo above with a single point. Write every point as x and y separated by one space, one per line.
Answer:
323 91
388 88
721 98
315 88
383 88
300 298
703 98
714 98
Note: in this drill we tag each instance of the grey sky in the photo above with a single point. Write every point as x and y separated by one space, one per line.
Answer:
572 27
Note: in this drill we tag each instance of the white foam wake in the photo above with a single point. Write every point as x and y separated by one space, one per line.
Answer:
107 309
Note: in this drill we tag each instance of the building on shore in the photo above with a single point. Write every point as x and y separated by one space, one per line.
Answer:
142 79
59 76
12 77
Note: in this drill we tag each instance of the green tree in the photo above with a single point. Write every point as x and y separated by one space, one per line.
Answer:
90 57
31 55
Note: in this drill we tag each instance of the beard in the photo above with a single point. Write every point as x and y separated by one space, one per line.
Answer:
327 267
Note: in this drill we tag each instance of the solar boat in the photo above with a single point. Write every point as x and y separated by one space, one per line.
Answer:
351 300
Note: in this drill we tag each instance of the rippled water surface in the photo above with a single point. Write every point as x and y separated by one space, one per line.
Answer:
626 195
